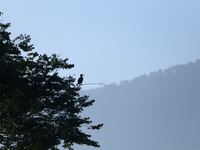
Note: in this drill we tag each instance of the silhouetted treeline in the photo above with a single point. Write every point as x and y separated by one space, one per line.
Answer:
151 112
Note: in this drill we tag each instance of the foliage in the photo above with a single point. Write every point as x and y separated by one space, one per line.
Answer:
38 108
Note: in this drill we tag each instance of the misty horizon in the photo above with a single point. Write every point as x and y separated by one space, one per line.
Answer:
155 111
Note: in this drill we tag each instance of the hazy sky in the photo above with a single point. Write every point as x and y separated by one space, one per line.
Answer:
110 40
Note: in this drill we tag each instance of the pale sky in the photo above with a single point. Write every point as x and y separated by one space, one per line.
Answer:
109 40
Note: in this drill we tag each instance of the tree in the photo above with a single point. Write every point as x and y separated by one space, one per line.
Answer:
38 108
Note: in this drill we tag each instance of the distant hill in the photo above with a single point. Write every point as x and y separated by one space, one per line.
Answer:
159 111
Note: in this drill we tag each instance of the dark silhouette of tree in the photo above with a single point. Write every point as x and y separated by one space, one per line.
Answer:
38 108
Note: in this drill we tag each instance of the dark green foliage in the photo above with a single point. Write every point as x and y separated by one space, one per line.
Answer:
38 108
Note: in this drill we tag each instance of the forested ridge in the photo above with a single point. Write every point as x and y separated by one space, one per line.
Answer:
155 111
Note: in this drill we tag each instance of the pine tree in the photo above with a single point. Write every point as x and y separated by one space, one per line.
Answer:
38 108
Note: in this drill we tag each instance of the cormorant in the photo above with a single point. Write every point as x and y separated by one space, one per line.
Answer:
80 80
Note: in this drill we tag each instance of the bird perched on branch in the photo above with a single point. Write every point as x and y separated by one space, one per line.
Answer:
80 80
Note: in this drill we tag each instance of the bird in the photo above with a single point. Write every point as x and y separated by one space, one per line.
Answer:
80 80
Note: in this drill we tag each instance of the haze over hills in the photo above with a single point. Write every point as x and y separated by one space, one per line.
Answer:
159 111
